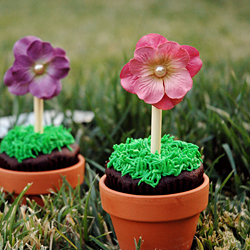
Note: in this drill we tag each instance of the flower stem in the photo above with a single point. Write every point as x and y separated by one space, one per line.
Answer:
156 122
38 110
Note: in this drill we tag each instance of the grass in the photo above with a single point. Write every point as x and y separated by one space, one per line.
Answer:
99 37
94 31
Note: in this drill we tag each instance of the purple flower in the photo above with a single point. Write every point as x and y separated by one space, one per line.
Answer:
38 68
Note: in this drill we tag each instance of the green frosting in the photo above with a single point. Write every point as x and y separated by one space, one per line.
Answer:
22 142
135 158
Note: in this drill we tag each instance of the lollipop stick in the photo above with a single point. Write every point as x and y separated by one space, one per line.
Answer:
156 121
38 110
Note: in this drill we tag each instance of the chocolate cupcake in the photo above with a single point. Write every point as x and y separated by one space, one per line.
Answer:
24 150
43 162
133 169
167 185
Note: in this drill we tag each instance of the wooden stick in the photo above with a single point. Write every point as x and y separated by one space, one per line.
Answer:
38 110
156 123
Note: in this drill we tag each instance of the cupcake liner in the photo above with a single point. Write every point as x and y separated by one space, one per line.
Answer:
167 185
55 160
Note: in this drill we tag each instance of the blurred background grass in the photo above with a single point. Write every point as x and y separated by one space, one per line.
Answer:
100 36
93 31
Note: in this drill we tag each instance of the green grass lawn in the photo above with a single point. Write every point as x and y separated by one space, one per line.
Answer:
99 38
94 31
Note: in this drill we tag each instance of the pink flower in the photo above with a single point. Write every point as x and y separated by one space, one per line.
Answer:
38 68
161 71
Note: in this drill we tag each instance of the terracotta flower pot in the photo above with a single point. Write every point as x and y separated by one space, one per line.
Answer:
163 221
15 181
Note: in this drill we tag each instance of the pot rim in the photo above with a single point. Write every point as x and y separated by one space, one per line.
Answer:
42 180
154 207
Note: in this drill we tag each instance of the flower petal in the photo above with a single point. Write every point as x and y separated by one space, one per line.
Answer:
21 46
173 54
18 89
145 54
167 103
59 52
58 89
150 89
58 67
151 40
43 86
195 62
140 69
177 84
15 87
144 61
127 79
22 70
8 77
40 51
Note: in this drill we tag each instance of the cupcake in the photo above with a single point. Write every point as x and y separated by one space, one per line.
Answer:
133 169
24 150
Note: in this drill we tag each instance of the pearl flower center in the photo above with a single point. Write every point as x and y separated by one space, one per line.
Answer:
160 71
39 69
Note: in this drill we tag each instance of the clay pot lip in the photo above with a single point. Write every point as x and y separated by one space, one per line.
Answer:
43 181
149 208
39 173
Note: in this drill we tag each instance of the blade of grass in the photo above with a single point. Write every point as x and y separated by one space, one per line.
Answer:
209 170
85 216
231 160
66 238
138 245
218 188
216 198
1 242
225 181
99 243
96 165
10 217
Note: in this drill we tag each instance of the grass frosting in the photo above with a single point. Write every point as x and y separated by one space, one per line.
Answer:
135 158
22 142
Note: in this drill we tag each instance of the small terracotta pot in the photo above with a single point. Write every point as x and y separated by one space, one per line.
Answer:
15 181
163 221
